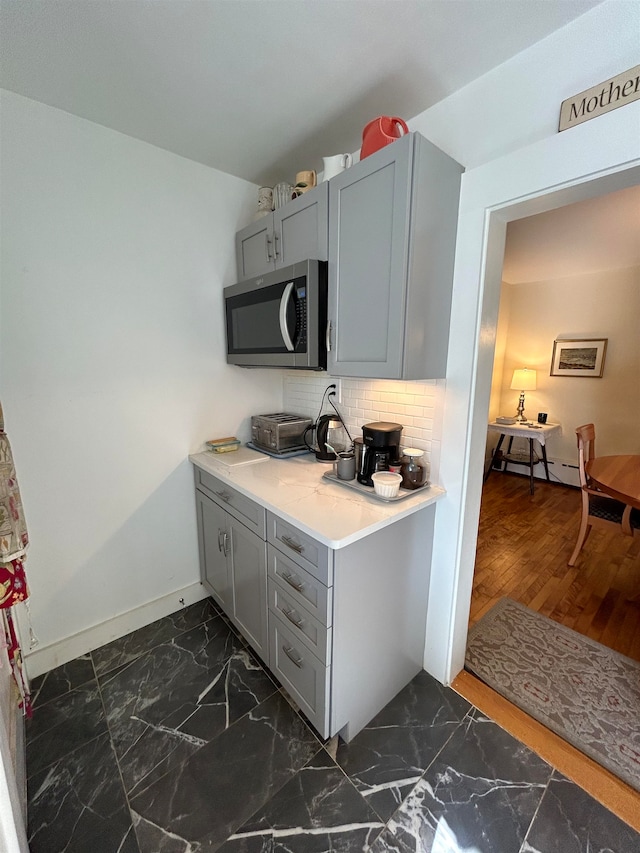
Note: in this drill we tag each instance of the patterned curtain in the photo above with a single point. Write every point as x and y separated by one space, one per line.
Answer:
14 540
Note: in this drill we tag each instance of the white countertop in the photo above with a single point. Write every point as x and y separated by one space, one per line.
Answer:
295 490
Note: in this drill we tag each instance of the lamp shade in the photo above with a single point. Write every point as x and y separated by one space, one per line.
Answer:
523 380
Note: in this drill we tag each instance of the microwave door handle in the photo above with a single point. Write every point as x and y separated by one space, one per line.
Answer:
284 303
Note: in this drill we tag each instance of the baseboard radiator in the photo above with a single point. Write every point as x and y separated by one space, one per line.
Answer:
560 470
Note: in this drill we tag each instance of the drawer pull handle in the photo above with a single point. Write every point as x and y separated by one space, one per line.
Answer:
291 544
296 584
225 496
299 662
220 534
291 616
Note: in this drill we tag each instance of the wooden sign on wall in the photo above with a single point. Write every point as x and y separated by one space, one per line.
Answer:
616 92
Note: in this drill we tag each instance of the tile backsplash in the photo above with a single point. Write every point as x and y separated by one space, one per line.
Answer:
415 405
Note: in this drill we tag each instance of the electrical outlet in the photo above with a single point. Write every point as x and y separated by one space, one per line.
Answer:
335 393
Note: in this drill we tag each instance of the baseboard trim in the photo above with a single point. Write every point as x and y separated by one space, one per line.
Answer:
41 660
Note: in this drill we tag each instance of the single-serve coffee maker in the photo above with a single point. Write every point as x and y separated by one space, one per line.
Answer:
380 448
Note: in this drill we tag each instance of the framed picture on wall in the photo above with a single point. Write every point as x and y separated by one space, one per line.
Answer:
583 357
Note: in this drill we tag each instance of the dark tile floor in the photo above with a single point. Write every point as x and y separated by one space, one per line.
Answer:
174 739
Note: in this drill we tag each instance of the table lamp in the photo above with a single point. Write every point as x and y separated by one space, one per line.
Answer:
523 380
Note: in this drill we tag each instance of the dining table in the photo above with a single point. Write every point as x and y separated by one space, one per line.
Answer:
617 476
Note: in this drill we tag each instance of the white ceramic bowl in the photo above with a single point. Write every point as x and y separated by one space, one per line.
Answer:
386 484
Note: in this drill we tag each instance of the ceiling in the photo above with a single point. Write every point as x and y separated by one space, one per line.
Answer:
589 236
260 89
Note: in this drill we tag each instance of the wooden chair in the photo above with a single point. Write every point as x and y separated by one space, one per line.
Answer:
598 509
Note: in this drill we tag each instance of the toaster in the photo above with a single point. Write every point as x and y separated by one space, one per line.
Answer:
279 432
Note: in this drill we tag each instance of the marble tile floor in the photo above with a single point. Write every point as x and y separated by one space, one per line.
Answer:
174 739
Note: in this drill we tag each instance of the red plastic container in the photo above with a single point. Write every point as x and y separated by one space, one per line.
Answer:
380 132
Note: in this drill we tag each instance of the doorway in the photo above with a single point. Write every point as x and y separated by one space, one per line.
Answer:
598 157
572 270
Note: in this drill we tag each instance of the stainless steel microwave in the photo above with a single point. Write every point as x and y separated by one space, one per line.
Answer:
279 319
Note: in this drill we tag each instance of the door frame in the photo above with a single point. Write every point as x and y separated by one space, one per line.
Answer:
595 158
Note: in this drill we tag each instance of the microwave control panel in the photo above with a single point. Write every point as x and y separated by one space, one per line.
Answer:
301 318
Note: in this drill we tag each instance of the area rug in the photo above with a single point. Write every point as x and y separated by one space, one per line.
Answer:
578 688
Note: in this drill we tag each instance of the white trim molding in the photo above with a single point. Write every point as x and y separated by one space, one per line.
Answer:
590 160
41 660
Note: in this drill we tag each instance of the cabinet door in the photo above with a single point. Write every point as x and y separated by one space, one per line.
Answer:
214 540
255 252
369 209
249 571
301 228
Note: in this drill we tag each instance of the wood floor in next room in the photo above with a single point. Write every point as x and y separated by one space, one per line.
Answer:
524 542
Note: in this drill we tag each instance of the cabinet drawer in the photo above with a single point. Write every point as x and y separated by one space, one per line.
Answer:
240 507
303 549
302 587
305 627
301 674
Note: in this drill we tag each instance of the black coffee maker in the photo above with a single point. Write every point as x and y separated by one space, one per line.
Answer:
380 448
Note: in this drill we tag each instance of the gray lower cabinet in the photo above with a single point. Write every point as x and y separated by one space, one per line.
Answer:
300 594
233 557
214 550
249 572
392 234
298 231
342 630
302 674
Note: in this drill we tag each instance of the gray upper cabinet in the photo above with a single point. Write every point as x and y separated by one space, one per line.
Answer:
392 234
295 232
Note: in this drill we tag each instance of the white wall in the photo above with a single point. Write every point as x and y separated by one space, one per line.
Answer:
114 255
518 103
599 304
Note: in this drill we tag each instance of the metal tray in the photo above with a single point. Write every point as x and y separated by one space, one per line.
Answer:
355 486
286 454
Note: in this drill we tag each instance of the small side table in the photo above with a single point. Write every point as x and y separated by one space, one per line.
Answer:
532 432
